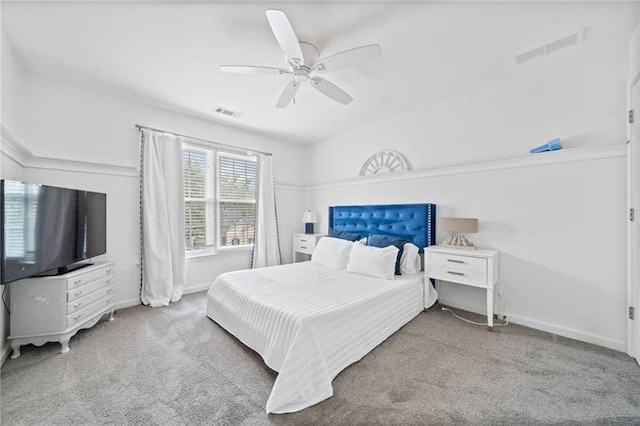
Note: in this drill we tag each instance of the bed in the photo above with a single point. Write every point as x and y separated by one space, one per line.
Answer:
308 321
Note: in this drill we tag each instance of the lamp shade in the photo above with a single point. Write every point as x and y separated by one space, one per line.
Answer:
461 225
309 217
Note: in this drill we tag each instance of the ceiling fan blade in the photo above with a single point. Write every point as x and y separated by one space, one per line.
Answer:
287 39
331 90
248 69
348 58
288 94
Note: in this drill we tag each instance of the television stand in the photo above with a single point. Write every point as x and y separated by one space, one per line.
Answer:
55 308
63 270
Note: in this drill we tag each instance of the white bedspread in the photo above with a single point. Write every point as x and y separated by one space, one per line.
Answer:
310 322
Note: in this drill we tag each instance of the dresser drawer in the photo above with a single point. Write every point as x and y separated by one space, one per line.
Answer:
81 303
100 305
81 279
90 287
304 244
459 263
459 275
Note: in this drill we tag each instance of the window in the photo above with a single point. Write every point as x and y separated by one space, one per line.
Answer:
21 211
220 199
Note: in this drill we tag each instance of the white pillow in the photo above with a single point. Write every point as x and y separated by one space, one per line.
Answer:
332 253
374 261
410 262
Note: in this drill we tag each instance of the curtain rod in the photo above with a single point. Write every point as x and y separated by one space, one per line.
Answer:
218 144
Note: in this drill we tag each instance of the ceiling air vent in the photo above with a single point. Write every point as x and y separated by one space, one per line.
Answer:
553 46
227 112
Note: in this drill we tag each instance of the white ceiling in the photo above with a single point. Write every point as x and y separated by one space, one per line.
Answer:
169 52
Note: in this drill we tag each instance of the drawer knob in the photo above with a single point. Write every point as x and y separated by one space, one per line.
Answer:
109 281
107 301
455 261
77 281
454 273
77 317
107 271
109 290
303 247
77 305
78 293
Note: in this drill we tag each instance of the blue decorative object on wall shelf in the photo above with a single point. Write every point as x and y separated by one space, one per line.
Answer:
552 145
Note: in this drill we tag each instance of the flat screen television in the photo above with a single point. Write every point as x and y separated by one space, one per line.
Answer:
45 230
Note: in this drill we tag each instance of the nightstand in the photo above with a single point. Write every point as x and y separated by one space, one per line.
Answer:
304 244
475 268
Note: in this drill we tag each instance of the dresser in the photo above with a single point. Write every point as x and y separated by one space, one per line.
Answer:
53 309
303 245
475 268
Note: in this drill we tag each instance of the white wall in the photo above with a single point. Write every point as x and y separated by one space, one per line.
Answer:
12 89
70 122
560 227
634 52
11 127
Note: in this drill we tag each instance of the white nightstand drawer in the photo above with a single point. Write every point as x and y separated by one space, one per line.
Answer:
459 275
477 268
459 263
304 244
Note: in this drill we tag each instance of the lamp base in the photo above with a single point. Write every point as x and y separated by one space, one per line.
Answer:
458 242
451 246
308 228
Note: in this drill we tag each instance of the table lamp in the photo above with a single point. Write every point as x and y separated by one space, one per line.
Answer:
309 218
457 227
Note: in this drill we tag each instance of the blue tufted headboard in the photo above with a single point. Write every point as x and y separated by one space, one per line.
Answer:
415 222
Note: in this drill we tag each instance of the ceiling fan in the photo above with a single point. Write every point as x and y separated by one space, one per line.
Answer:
304 64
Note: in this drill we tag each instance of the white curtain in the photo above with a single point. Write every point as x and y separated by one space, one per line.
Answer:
163 245
266 249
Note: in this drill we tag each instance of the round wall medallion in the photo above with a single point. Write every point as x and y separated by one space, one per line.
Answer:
384 162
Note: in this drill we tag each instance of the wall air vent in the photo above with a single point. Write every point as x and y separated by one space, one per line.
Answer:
227 112
553 46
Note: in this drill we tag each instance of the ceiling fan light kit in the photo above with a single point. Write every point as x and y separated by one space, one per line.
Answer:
303 61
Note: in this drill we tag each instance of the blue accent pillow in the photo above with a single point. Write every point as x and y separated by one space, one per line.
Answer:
344 235
378 240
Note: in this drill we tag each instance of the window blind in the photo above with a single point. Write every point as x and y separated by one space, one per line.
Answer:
197 199
237 199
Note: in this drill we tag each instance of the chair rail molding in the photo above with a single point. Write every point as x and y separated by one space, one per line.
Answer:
597 152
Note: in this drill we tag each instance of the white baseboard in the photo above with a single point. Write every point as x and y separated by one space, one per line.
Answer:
127 304
135 302
567 332
197 288
544 326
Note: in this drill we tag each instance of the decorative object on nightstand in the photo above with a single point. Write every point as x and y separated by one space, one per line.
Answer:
458 226
304 244
309 218
478 268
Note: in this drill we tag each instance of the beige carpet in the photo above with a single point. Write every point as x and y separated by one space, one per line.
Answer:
174 366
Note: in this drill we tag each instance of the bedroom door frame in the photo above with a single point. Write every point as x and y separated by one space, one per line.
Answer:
633 223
